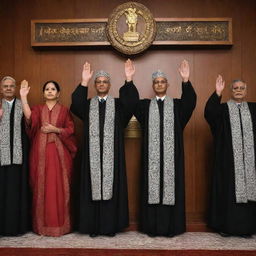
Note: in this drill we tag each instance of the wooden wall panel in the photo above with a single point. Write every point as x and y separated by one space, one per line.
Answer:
26 61
248 40
65 66
6 39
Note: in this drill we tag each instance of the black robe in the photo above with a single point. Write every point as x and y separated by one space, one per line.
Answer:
159 219
225 215
105 217
15 196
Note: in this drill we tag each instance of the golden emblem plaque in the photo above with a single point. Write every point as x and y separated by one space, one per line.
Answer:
131 28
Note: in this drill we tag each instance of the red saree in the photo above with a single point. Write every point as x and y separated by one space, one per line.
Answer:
50 170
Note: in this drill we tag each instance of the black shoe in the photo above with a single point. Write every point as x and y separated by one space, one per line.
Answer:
111 234
151 235
246 236
93 235
224 234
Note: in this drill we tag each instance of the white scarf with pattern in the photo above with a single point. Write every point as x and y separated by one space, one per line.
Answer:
104 183
154 153
5 147
243 151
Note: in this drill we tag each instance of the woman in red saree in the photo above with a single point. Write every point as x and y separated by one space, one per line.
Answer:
51 130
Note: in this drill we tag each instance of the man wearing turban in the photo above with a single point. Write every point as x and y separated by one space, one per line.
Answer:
103 203
163 119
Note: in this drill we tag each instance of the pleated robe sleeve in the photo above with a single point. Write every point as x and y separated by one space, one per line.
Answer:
79 101
212 111
187 103
129 98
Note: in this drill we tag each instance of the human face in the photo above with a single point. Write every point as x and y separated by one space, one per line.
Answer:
238 91
51 92
160 86
8 89
102 85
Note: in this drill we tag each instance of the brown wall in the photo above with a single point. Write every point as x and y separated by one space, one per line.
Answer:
64 65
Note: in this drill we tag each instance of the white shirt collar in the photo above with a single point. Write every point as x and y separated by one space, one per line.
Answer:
162 98
105 98
10 102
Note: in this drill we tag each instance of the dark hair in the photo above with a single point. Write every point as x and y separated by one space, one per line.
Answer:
53 82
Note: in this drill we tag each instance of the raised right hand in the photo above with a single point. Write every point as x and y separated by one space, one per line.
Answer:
86 74
129 69
184 70
24 88
220 85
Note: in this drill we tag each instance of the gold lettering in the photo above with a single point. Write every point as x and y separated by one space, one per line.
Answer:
217 30
189 29
173 30
201 30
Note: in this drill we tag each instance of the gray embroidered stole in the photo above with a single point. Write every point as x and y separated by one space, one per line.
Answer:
5 147
154 153
105 182
243 151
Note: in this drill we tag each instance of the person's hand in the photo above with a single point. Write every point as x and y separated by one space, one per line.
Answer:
86 74
24 89
220 85
184 70
49 128
129 70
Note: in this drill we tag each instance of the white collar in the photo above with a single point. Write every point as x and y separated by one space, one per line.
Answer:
104 98
10 102
161 98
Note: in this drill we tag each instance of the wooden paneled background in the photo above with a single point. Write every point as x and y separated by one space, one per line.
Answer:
21 61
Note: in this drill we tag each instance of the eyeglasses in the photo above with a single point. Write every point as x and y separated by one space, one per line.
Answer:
5 86
160 82
102 81
238 88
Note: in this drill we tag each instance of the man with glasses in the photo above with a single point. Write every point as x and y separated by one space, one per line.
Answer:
163 119
14 189
233 193
103 190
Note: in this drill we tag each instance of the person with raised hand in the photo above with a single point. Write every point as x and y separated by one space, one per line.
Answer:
103 206
51 130
233 192
14 168
163 119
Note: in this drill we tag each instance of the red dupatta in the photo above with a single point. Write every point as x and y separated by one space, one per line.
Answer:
39 210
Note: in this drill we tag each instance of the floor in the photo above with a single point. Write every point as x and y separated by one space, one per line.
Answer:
133 240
